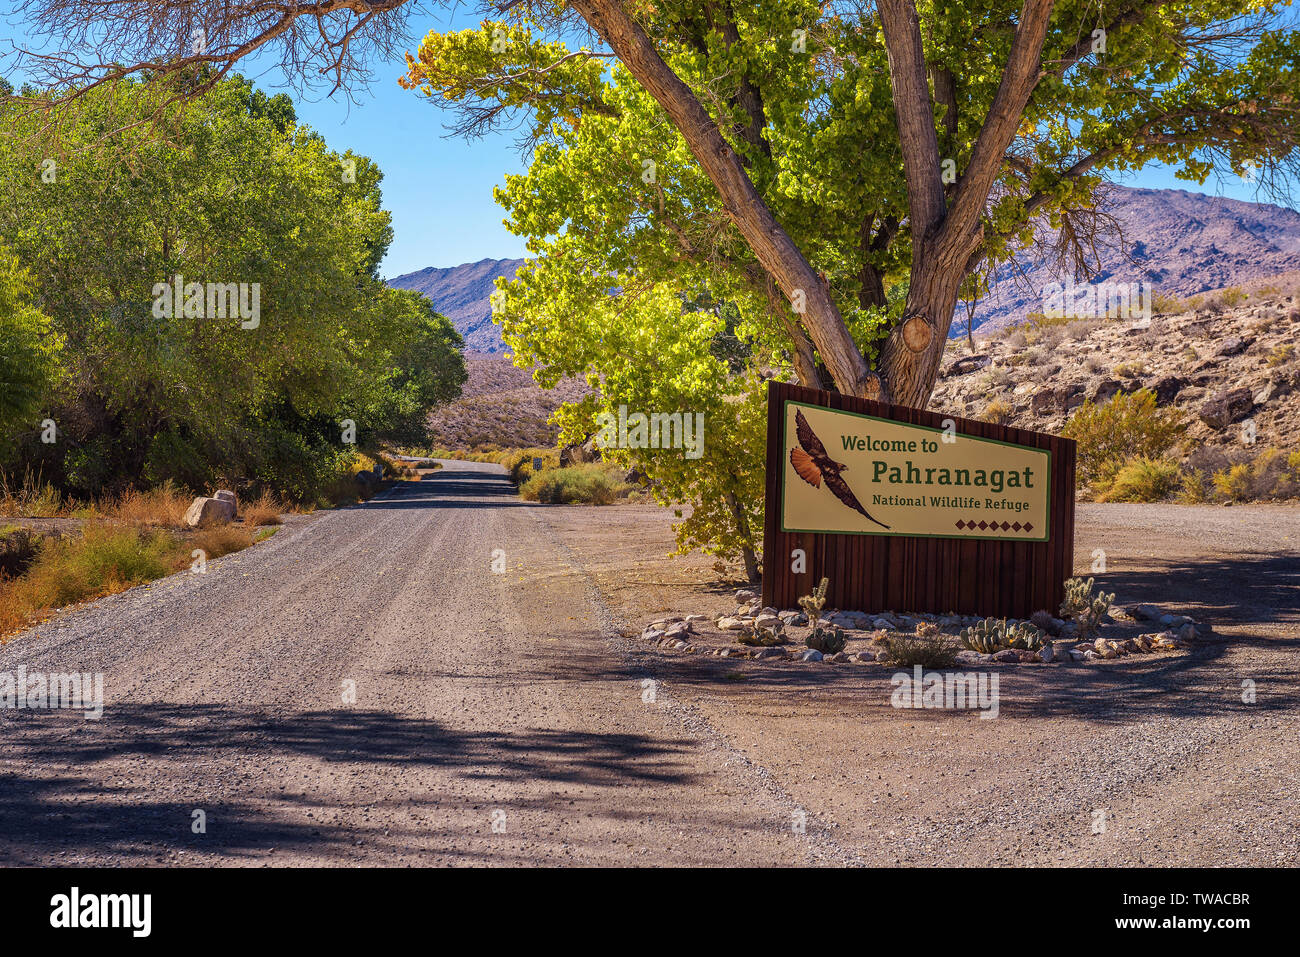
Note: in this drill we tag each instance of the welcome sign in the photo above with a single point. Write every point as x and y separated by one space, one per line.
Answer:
912 509
852 473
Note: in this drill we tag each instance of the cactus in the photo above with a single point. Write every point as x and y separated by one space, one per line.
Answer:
828 641
1086 610
814 603
762 637
994 634
983 636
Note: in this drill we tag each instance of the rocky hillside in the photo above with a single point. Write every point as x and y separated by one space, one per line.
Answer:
500 406
1181 243
463 294
1221 359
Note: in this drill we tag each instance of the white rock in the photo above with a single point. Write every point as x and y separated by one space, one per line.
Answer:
209 511
732 624
812 654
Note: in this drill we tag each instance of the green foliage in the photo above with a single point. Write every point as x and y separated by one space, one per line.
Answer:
1129 426
228 190
1142 479
644 285
29 352
1087 611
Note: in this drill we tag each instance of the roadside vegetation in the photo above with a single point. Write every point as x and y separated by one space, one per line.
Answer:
107 389
1129 450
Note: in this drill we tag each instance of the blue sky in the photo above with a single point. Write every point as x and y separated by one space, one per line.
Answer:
439 188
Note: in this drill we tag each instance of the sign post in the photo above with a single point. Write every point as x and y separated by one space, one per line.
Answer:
912 510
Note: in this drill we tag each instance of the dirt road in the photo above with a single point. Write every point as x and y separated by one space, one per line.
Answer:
482 698
509 697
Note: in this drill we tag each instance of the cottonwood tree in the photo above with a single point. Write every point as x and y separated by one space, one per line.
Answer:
1003 114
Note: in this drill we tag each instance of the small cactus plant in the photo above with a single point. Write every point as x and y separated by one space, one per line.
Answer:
814 603
828 641
1087 610
994 634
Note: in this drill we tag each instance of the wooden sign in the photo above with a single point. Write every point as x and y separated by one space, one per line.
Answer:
912 510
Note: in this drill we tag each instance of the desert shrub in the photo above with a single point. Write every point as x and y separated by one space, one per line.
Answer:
33 497
1142 480
1280 354
589 484
1129 426
1272 474
165 505
1194 488
927 649
1130 370
998 412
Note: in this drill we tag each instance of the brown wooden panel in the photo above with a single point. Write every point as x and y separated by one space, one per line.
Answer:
882 572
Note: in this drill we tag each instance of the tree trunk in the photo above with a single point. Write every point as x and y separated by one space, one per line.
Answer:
773 247
742 525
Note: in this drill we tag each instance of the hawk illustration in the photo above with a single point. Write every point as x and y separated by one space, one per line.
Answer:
813 465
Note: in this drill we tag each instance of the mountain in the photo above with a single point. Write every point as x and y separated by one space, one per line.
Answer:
463 294
1181 243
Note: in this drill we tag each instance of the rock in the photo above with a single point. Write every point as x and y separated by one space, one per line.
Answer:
1199 631
1047 652
1166 388
744 596
769 621
665 622
884 624
865 656
968 364
968 657
771 652
679 645
694 620
793 618
1232 346
652 634
678 630
1105 649
812 654
732 624
225 495
724 652
1077 655
1029 657
839 657
1174 621
209 511
1145 612
1225 408
1104 390
1007 656
1090 656
1043 401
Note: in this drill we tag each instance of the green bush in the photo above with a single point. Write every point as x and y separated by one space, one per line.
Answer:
1142 480
1129 426
589 484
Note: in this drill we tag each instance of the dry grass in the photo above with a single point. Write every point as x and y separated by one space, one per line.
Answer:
164 506
263 510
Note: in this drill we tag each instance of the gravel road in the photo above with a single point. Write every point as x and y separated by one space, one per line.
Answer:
482 699
509 697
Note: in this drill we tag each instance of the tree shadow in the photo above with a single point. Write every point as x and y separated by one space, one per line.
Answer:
67 784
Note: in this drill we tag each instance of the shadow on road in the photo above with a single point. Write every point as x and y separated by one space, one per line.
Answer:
72 784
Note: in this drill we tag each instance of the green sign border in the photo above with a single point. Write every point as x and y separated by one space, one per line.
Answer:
785 445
